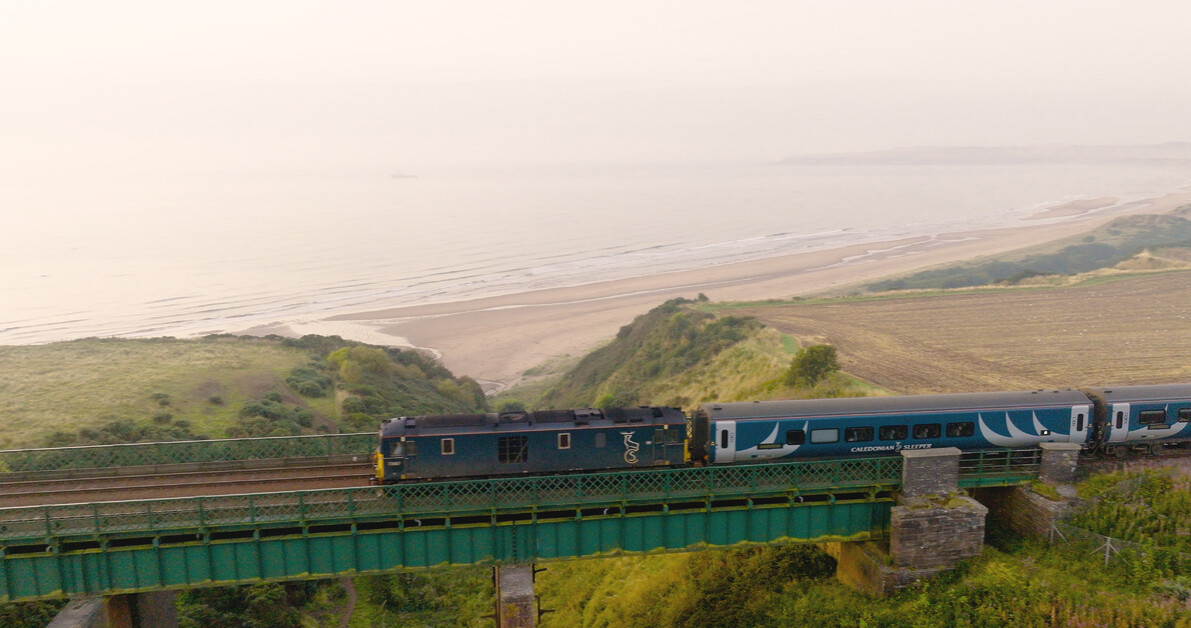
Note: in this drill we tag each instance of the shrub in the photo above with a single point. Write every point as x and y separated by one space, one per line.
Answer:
812 364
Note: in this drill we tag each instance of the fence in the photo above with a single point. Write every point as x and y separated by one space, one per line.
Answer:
185 452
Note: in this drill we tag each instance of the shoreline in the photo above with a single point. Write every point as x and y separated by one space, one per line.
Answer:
495 339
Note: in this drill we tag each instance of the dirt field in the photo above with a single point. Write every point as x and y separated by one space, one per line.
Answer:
1128 331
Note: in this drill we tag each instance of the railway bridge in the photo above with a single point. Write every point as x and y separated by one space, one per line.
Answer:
124 547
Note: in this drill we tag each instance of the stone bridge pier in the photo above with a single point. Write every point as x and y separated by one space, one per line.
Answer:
132 610
934 525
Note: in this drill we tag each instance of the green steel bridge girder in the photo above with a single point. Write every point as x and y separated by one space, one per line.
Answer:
305 554
120 547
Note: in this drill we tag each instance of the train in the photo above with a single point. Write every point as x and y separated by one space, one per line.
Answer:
1106 421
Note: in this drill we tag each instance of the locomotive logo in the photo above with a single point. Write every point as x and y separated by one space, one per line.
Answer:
630 448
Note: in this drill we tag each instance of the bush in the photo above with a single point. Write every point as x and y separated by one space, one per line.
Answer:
812 364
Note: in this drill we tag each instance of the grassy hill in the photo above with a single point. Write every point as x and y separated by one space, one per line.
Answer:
218 386
119 390
1109 245
679 355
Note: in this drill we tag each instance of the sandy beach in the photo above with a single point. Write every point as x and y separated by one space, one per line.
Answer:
496 339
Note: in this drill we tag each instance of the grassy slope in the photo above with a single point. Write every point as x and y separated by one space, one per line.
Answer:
1026 584
678 355
1104 247
64 386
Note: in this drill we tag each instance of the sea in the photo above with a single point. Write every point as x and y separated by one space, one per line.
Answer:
191 253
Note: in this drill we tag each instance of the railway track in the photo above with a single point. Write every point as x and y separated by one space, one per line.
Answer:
38 492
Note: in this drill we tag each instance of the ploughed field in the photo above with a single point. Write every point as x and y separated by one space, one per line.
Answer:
1135 330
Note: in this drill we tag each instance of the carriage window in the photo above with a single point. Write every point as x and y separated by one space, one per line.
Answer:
927 430
795 437
448 446
858 434
961 430
1120 419
893 432
829 435
564 440
1079 422
1152 417
601 440
512 449
723 439
1184 415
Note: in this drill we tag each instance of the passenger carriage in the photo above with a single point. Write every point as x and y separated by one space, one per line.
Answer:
815 428
1143 417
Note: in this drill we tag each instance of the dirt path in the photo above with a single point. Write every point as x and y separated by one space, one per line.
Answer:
352 598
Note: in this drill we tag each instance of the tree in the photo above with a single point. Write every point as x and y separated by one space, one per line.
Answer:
812 364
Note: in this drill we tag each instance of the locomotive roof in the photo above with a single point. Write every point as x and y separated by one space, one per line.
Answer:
529 420
885 405
1159 392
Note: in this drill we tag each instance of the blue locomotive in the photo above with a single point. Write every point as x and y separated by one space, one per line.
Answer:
1109 421
545 441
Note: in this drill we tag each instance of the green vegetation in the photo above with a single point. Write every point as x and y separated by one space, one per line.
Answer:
110 391
1114 243
269 605
62 387
1147 507
449 597
381 383
812 365
680 355
1024 584
661 344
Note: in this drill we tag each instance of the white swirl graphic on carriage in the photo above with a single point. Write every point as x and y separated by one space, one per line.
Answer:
630 448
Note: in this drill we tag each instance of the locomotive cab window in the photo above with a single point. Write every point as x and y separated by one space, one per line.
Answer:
411 448
564 440
512 449
827 435
1184 415
1152 417
961 430
795 437
893 432
928 430
858 434
448 446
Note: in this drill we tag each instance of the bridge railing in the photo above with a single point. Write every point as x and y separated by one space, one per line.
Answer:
445 499
998 467
185 452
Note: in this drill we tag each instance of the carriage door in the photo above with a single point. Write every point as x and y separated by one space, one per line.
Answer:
725 441
1118 423
1081 416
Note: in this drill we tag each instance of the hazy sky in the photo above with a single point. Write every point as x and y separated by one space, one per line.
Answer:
146 86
